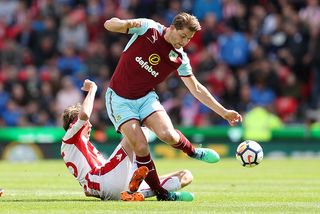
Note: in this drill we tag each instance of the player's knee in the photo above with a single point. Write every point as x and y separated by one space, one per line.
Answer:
141 149
167 136
187 177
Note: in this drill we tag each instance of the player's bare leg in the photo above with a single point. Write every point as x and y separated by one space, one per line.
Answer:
1 192
160 123
138 142
172 182
185 177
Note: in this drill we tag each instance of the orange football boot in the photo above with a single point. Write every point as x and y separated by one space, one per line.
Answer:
128 196
138 176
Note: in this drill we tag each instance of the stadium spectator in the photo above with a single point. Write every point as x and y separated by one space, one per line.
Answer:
236 14
310 14
68 94
314 58
69 63
210 29
233 47
108 179
10 54
4 97
94 60
202 7
26 36
245 104
12 116
260 94
7 11
173 9
47 40
153 53
73 32
259 123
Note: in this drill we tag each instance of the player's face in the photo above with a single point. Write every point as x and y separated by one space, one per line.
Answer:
180 38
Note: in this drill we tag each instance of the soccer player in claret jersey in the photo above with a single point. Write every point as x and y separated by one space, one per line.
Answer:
154 52
115 178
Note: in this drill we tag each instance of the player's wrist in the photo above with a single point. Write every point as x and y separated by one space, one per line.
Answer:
128 23
223 113
93 87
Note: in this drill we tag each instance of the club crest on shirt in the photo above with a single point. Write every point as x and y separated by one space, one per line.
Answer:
119 156
117 118
173 56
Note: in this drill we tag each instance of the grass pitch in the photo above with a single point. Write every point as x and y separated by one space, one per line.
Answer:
275 186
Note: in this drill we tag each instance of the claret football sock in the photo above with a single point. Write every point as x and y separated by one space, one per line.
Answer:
152 179
184 145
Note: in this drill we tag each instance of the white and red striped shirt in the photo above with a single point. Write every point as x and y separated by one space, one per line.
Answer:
79 155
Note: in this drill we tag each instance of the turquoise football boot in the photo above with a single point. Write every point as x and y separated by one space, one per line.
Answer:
206 155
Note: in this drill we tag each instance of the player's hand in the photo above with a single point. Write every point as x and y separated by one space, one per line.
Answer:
131 23
88 84
232 117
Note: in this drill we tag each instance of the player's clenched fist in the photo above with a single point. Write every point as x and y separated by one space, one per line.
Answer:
232 117
87 85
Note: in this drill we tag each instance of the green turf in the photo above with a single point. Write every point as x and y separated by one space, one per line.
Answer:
275 186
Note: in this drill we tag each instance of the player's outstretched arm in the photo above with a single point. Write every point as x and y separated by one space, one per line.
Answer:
87 105
203 95
185 177
121 26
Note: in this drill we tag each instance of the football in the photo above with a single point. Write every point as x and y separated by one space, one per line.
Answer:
249 153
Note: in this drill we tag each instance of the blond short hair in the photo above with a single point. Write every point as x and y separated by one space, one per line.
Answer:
185 20
69 114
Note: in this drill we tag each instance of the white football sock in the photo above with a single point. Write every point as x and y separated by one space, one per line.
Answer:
170 184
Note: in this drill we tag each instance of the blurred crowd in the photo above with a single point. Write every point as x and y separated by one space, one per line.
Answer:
249 53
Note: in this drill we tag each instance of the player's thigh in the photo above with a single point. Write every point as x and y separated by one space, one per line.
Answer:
153 114
134 137
159 121
116 181
149 104
120 109
115 175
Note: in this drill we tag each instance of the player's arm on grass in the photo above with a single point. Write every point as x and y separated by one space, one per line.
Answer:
89 195
120 25
203 95
87 105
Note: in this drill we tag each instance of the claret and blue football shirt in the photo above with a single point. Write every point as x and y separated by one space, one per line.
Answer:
146 61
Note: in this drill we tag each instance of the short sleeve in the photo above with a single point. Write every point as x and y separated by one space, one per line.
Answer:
185 68
74 130
145 25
